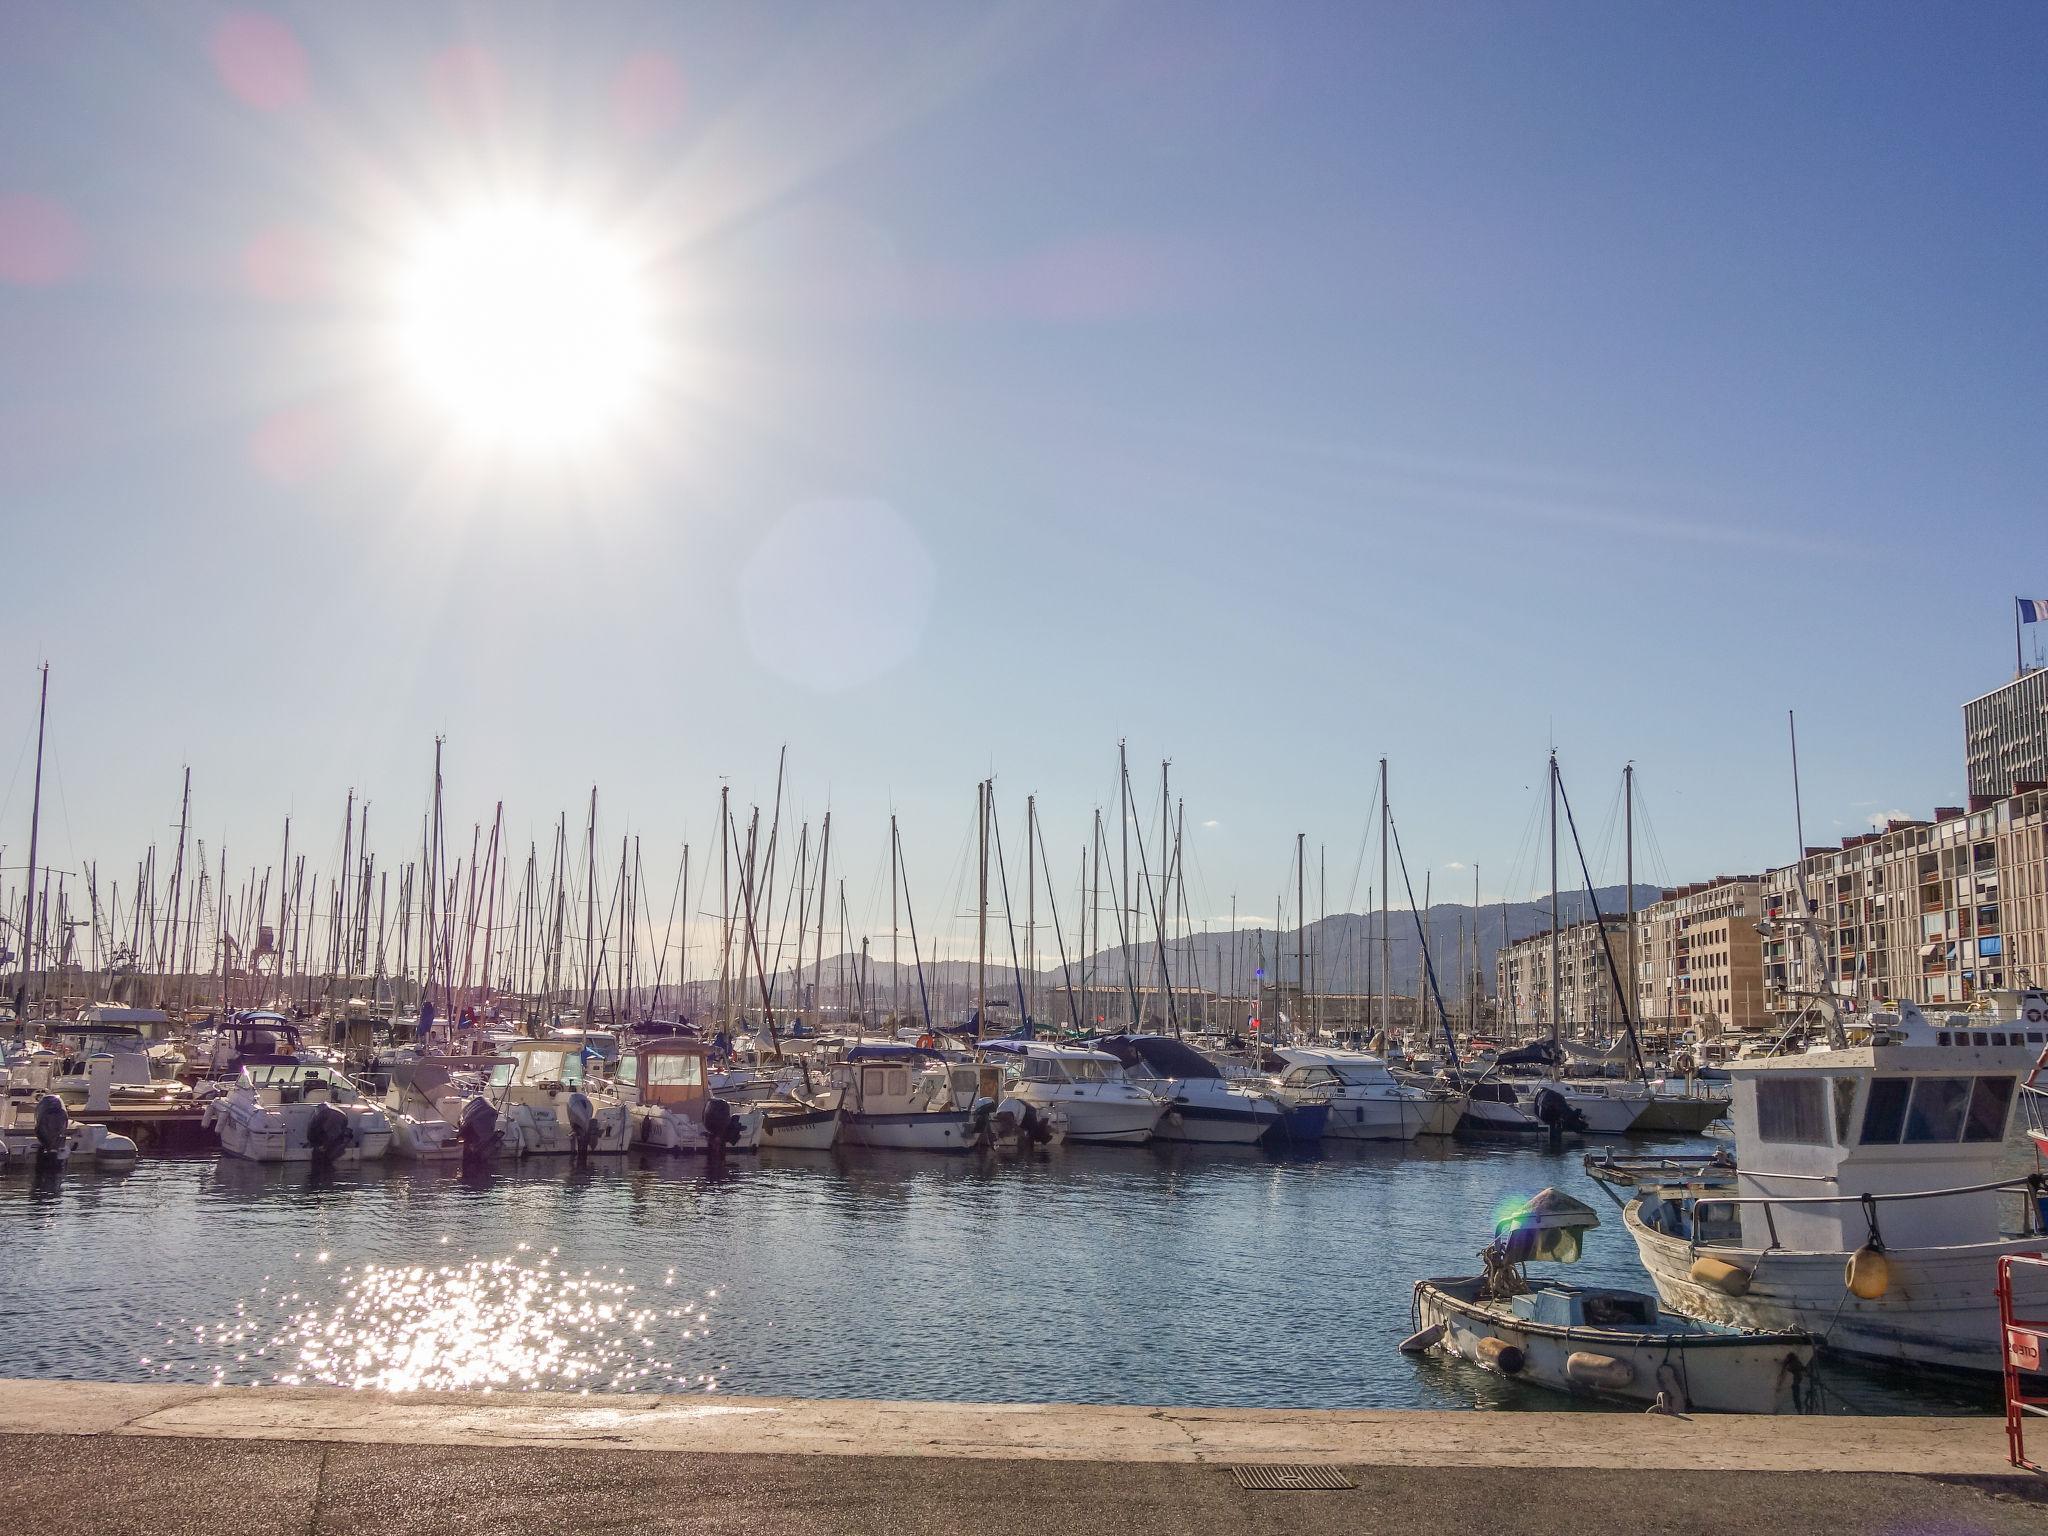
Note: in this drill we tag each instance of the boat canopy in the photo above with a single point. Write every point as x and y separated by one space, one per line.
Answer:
1040 1049
1166 1056
871 1051
1540 1053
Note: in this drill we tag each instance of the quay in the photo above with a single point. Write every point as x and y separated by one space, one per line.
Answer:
140 1459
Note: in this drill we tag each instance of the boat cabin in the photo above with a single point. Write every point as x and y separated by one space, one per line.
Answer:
1331 1071
287 1080
253 1037
671 1073
1584 1306
889 1079
1057 1064
1928 1107
538 1064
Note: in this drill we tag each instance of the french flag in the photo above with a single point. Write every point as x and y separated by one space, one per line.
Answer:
2033 610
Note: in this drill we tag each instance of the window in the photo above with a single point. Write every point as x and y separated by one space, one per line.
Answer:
1885 1115
1792 1110
1937 1110
1990 1101
1845 1105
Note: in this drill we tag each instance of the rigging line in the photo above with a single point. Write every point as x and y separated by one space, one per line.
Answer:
924 996
1365 844
1606 945
1421 938
1066 970
1009 923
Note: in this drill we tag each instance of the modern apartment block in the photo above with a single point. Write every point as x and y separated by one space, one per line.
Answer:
1586 993
2005 737
1700 959
1930 912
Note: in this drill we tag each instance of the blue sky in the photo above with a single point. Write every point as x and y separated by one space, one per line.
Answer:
1276 387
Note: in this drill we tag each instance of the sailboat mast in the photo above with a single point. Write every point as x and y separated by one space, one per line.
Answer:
1628 822
1386 934
1300 929
1031 906
35 827
1556 996
981 793
895 928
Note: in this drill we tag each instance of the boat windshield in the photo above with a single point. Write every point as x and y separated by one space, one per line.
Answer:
674 1070
306 1077
540 1066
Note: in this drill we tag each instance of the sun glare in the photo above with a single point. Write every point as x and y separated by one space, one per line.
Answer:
527 325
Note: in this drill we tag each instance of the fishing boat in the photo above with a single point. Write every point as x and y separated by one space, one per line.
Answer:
901 1096
440 1106
1600 1341
549 1105
798 1125
1202 1105
1084 1088
1367 1102
1649 1171
1873 1195
284 1110
664 1083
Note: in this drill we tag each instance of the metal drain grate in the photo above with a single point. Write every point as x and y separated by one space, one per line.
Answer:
1291 1479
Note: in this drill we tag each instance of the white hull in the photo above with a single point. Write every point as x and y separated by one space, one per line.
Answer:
662 1130
1490 1115
278 1135
1207 1125
1376 1119
1108 1120
934 1131
425 1139
1694 1371
802 1130
85 1146
531 1130
1941 1308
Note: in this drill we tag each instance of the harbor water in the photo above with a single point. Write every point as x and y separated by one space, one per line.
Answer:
1149 1275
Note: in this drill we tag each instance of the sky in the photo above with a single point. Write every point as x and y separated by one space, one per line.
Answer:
1274 387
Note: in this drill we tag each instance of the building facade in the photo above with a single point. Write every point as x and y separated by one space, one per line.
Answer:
2005 737
1586 992
1930 912
1700 959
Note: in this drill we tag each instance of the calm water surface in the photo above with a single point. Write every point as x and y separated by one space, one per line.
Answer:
1153 1275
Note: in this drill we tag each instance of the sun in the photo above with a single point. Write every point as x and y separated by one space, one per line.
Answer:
527 326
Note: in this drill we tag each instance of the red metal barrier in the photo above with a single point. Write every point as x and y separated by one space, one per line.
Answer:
2023 1346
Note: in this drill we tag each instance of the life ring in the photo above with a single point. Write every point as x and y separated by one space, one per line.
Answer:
927 1043
1684 1065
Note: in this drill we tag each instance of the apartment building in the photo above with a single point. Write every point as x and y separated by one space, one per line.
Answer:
1585 991
2005 737
1930 912
1700 959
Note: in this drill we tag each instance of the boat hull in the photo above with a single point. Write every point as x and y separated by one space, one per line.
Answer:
946 1130
1211 1124
660 1130
1678 1114
1377 1119
1694 1370
1941 1308
801 1130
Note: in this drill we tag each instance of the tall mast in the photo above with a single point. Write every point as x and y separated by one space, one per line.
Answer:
1386 935
1628 822
895 953
725 908
1030 905
1556 990
1300 929
1123 795
590 913
981 793
35 826
824 870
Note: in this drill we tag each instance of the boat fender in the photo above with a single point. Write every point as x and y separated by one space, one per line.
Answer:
1719 1275
1868 1274
1584 1368
1421 1343
1504 1357
53 1125
927 1043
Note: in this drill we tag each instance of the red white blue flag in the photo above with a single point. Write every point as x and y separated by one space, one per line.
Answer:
2033 610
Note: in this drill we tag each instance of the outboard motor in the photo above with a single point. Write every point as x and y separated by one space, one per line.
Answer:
721 1130
981 1122
53 1128
1037 1127
478 1130
328 1133
582 1123
1555 1111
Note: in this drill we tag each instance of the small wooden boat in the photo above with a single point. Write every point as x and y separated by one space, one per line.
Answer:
1599 1341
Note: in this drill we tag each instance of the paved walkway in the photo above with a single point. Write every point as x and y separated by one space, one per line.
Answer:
133 1460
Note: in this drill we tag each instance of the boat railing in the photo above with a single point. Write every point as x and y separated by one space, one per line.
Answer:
2032 1183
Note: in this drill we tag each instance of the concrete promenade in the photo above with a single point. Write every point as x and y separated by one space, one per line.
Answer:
122 1459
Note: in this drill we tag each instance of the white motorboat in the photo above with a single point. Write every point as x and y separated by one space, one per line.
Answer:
37 1128
901 1096
284 1110
1873 1193
1086 1089
665 1084
549 1105
1599 1341
794 1125
1202 1105
1367 1102
440 1107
